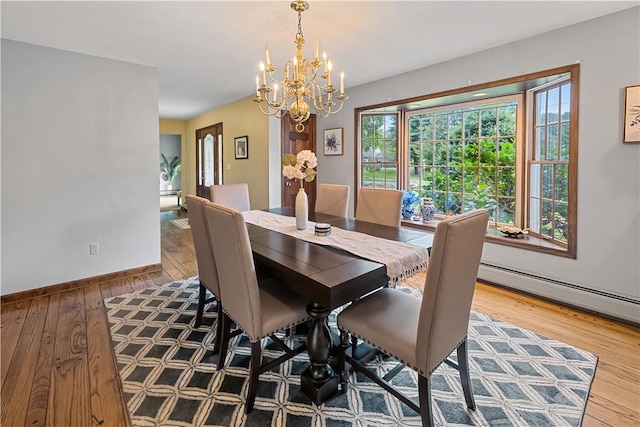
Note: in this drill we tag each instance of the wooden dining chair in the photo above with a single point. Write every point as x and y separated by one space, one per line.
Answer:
260 309
380 206
333 199
207 272
235 196
422 333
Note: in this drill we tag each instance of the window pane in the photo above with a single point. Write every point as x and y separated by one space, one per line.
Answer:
487 152
507 121
562 183
547 181
541 106
564 142
427 128
470 177
547 218
441 153
390 154
390 176
390 126
455 125
507 182
471 153
534 177
440 201
540 143
455 180
455 152
441 126
565 102
506 210
470 124
561 224
453 203
427 153
534 215
488 125
553 106
488 176
552 142
506 152
427 180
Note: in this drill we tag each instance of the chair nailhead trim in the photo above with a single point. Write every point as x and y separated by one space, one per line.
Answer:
254 339
420 371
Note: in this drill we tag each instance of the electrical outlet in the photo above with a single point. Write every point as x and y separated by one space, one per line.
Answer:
94 248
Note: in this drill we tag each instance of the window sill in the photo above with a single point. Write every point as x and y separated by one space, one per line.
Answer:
527 242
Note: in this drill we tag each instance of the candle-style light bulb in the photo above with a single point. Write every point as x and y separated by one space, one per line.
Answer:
257 85
330 69
264 74
267 55
315 51
341 82
324 60
275 92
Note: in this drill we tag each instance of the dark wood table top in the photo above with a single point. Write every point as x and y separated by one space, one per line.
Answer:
327 276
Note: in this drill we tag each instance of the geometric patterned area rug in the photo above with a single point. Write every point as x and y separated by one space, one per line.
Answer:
169 375
182 223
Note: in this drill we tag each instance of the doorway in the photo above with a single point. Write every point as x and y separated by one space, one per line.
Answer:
170 171
294 142
208 158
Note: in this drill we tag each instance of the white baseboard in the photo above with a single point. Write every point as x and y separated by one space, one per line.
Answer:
576 296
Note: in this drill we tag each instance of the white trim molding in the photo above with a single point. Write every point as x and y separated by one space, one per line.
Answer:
620 307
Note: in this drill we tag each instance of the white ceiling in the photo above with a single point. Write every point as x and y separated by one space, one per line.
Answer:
207 52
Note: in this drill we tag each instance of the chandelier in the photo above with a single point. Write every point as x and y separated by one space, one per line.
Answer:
299 86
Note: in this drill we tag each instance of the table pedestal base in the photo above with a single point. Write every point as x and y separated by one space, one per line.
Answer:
318 391
319 382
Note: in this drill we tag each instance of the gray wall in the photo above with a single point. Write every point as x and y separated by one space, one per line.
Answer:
608 48
79 165
170 146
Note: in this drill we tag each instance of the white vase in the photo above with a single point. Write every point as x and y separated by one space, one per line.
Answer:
302 209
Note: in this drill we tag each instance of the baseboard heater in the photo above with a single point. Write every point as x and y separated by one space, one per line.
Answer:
594 300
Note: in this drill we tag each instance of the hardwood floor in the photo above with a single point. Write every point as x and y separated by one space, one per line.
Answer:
58 369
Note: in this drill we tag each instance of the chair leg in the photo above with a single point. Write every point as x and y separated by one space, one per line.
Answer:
424 392
342 369
254 371
201 302
216 344
463 368
224 340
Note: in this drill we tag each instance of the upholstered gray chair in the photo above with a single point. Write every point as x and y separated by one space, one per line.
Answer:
207 273
260 309
421 333
333 199
235 196
380 206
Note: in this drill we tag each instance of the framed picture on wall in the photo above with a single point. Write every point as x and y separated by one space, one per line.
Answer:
332 141
241 147
631 114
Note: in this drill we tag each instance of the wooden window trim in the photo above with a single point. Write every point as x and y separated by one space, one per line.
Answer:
530 242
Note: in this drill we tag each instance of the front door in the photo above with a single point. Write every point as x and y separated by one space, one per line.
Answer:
293 142
208 158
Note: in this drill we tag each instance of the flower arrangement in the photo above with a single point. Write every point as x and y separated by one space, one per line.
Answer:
300 166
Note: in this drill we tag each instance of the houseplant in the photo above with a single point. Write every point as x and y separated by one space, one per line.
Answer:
169 169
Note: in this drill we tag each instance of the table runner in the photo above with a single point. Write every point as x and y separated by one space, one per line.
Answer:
402 260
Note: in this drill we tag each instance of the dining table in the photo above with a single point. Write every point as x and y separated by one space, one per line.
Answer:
328 276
